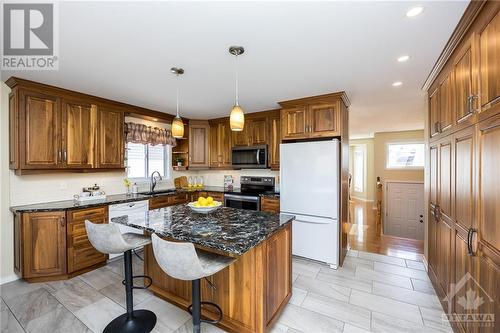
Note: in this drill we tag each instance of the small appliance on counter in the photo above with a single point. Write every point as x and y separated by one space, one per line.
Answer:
249 196
91 193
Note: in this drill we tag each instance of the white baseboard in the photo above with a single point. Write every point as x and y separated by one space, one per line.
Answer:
426 264
9 278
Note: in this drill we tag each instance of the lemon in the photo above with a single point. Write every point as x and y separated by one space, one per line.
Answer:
200 199
202 202
210 199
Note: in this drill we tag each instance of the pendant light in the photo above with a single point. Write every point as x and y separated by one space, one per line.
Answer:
237 118
177 124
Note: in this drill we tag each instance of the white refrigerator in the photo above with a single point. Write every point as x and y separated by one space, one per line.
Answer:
309 189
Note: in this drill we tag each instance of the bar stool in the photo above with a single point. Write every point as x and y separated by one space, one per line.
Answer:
182 261
107 238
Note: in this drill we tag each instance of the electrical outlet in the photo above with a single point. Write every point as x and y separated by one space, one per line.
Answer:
63 185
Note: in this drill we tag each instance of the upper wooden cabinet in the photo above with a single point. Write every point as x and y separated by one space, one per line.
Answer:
274 141
110 138
489 48
254 132
314 117
445 104
199 132
78 119
55 129
220 144
434 113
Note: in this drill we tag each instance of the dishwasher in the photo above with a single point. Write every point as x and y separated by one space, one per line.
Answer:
128 208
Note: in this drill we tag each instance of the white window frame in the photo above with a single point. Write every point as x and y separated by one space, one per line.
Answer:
361 148
167 163
402 142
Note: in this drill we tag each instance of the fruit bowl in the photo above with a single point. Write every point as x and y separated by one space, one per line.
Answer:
204 209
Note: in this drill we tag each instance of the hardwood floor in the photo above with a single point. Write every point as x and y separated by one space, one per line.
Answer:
365 234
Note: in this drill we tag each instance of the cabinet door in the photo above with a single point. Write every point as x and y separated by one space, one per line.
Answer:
241 138
443 255
293 123
446 104
81 253
464 189
489 280
465 83
434 113
271 205
13 131
198 145
41 123
274 142
78 134
110 138
433 189
324 120
220 145
214 149
489 49
44 244
258 131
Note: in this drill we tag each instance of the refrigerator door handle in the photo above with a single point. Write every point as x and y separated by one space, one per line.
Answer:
310 219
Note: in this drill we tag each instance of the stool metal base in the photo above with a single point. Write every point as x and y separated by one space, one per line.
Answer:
140 321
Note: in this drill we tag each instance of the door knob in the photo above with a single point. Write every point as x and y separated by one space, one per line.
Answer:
421 216
421 221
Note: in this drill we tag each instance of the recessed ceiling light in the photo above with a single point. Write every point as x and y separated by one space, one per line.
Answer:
397 84
415 11
403 58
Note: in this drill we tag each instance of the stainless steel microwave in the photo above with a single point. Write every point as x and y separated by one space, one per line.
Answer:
254 157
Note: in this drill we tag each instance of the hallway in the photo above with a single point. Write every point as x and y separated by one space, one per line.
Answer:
365 234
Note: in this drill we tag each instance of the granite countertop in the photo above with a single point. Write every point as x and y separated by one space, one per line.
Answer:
118 198
228 230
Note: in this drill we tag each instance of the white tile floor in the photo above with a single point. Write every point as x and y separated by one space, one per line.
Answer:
371 293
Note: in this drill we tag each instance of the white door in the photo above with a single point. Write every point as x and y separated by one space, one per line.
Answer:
405 210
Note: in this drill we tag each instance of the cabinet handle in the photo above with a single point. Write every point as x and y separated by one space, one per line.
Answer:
470 236
437 213
470 102
439 128
65 156
59 157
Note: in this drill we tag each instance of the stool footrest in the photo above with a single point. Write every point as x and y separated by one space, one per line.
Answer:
219 311
150 281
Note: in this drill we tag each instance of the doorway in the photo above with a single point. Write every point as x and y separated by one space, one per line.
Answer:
404 210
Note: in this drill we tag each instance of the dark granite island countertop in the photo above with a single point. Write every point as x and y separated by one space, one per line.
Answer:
228 230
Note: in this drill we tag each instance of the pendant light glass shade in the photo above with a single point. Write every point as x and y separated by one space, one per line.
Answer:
177 123
177 128
237 119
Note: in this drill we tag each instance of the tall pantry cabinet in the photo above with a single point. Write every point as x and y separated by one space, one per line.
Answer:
464 169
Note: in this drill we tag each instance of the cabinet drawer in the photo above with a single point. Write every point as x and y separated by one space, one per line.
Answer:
216 195
270 205
159 202
87 214
178 199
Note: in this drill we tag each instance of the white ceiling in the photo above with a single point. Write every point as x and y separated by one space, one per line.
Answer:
124 50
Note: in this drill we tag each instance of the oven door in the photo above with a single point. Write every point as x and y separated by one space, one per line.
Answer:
242 201
254 157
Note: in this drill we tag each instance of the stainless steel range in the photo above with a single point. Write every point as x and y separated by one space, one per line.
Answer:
248 197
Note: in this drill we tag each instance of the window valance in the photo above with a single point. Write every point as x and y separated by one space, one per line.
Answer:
140 133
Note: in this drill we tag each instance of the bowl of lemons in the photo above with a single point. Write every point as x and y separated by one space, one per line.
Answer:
204 205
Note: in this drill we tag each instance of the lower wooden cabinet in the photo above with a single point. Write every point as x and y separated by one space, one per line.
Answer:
43 250
270 204
81 253
169 200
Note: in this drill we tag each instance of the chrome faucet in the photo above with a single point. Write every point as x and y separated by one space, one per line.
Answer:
152 183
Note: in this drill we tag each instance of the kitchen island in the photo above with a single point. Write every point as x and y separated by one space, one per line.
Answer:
252 291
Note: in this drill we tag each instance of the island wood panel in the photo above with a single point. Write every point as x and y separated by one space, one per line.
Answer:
78 134
251 292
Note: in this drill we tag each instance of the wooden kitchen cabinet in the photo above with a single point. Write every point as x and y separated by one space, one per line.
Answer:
274 141
43 251
199 132
446 104
81 254
434 113
78 139
313 117
163 201
489 47
258 131
39 130
270 204
220 145
110 138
